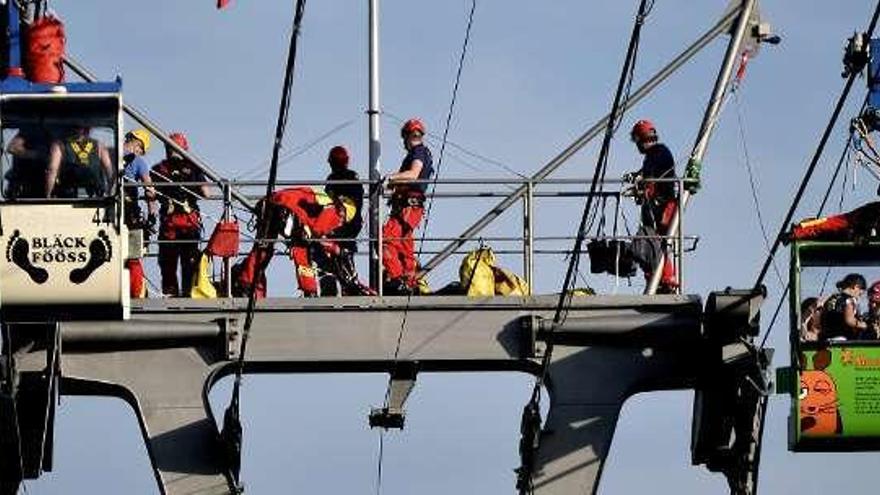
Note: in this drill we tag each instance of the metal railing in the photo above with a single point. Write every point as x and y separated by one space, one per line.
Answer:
676 243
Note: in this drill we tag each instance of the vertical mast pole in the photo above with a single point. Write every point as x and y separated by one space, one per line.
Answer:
375 150
710 119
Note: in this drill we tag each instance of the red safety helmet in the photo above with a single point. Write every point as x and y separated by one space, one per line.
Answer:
411 126
180 139
338 156
643 131
874 292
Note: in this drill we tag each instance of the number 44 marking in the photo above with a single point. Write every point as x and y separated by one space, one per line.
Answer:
103 216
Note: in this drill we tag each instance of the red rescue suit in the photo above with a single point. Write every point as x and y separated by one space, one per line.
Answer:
297 214
398 246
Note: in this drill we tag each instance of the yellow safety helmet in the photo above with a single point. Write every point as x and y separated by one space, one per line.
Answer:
143 136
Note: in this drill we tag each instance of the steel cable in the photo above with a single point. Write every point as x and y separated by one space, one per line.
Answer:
814 161
232 411
430 203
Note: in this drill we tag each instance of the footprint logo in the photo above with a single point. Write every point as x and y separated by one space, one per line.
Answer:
100 252
18 251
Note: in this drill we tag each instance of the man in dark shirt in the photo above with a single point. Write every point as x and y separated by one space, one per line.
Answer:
79 166
29 149
338 265
407 208
179 218
338 160
658 200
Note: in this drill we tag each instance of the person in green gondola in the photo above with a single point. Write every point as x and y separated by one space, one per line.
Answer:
840 315
872 317
811 319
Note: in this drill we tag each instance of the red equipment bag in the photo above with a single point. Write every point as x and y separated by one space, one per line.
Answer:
828 228
224 240
44 53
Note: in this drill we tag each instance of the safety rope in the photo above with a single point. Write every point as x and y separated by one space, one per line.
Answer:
430 202
452 144
815 160
531 412
753 186
297 151
158 192
231 433
831 183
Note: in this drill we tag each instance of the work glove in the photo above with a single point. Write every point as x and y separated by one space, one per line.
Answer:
630 176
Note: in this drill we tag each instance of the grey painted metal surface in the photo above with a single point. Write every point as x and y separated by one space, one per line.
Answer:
167 381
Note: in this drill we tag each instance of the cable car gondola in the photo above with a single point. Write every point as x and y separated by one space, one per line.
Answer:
834 381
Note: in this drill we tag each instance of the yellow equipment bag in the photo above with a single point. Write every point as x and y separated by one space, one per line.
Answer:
475 273
508 283
202 287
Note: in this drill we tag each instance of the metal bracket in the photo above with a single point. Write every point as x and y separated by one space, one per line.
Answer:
729 411
403 379
230 338
28 388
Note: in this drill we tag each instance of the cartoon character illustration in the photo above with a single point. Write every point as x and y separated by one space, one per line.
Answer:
819 411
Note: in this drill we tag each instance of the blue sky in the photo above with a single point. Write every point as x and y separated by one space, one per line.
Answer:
538 74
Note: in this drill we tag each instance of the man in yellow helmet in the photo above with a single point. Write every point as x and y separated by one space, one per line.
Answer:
135 146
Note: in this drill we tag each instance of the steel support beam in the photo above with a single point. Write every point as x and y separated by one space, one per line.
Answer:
610 348
644 90
589 385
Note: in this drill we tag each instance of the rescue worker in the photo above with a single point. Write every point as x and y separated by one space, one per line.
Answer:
407 208
658 202
300 216
343 262
135 146
338 160
79 166
29 149
179 218
811 319
840 316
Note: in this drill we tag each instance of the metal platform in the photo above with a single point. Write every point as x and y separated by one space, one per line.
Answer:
192 343
165 360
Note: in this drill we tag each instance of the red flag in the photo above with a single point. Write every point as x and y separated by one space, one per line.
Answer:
222 3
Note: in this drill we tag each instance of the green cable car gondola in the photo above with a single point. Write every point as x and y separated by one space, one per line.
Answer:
834 380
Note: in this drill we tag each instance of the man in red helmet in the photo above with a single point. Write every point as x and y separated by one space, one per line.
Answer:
407 208
301 217
179 218
338 160
340 265
657 199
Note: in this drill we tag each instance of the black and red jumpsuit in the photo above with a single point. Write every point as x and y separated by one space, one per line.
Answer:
659 203
179 220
